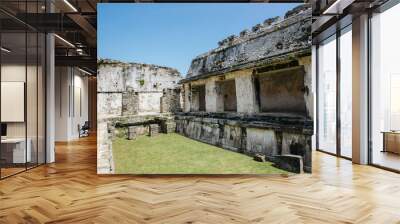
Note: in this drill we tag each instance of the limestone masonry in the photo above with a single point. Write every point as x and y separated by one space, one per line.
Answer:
252 94
131 97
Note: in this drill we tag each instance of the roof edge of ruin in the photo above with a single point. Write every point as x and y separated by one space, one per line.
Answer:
107 61
276 59
287 21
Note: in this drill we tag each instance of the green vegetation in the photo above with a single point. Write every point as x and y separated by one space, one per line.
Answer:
176 154
141 82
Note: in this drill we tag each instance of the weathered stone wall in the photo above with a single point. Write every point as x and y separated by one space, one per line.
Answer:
266 135
308 93
130 102
263 76
171 101
283 91
129 94
273 38
132 88
262 141
228 91
269 74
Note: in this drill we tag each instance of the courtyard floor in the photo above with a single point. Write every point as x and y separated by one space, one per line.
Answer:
176 154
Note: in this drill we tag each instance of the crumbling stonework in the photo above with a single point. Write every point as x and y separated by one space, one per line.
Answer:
131 98
133 88
262 45
130 102
257 92
167 126
252 94
171 100
154 130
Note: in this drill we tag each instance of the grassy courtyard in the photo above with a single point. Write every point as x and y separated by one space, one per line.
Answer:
176 154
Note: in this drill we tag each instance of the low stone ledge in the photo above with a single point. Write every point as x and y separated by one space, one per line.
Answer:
288 162
167 126
278 122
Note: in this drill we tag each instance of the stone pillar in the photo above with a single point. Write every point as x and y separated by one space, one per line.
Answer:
245 94
186 97
195 100
154 130
214 98
130 102
168 126
308 93
132 133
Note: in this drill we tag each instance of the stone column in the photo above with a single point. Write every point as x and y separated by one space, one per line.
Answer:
308 93
245 94
186 98
214 98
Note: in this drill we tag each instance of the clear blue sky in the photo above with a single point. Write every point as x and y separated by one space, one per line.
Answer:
173 34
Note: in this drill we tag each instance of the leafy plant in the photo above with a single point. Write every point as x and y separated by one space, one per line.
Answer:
141 82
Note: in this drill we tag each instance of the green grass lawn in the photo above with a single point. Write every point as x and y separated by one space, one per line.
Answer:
176 154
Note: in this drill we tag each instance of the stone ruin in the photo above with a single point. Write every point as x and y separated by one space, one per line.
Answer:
251 94
133 99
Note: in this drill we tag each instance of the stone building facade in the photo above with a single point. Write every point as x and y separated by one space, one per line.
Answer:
252 94
133 99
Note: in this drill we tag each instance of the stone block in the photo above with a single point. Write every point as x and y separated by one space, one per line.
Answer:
154 130
170 101
167 126
130 103
259 158
291 163
132 133
262 141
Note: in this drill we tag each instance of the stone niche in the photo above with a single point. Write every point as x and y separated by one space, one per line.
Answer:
228 91
198 102
282 90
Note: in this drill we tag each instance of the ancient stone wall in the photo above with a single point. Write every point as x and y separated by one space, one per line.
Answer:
171 101
252 94
257 92
282 91
129 102
132 88
271 39
266 135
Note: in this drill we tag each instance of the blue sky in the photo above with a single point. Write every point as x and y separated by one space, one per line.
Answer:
173 34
